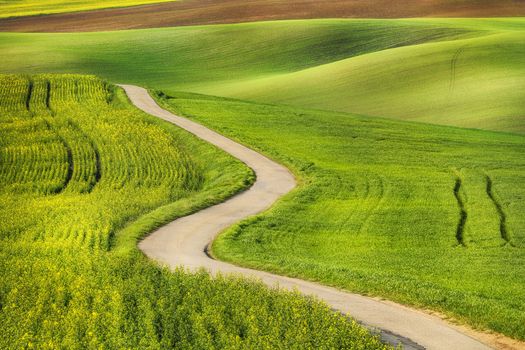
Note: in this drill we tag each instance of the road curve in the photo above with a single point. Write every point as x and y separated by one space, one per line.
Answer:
184 241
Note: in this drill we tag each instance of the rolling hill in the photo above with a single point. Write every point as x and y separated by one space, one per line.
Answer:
475 83
464 72
198 12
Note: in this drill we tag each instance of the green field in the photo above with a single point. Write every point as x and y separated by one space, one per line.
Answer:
15 8
427 215
379 208
465 72
84 175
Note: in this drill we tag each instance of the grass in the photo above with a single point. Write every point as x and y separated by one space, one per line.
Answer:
16 8
83 176
430 216
476 83
425 215
464 72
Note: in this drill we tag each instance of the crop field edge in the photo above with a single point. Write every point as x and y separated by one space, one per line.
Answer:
129 236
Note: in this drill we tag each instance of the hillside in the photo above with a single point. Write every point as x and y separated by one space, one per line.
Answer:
198 12
458 72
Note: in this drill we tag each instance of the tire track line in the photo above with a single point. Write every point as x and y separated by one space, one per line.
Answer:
453 67
499 208
462 213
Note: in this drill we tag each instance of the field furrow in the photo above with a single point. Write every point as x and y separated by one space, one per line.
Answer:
460 230
502 216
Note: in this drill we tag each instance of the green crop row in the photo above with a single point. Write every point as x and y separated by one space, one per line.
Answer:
83 175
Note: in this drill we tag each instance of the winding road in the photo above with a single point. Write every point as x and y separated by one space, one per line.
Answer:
184 242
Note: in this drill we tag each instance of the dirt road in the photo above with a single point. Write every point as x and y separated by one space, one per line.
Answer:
184 242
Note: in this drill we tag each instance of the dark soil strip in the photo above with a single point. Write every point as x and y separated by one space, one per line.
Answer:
48 95
69 175
70 167
29 93
197 12
453 64
98 173
502 216
462 213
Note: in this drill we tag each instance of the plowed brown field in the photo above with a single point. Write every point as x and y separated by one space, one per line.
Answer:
195 12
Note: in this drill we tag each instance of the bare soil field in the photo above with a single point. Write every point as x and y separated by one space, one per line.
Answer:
198 12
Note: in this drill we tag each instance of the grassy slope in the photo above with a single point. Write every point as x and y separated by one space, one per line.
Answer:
376 210
11 8
197 57
477 82
207 59
81 180
410 71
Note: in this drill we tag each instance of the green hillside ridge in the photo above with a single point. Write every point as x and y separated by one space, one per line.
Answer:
379 208
478 83
464 72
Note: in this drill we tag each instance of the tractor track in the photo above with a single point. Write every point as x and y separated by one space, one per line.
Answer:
499 208
460 230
